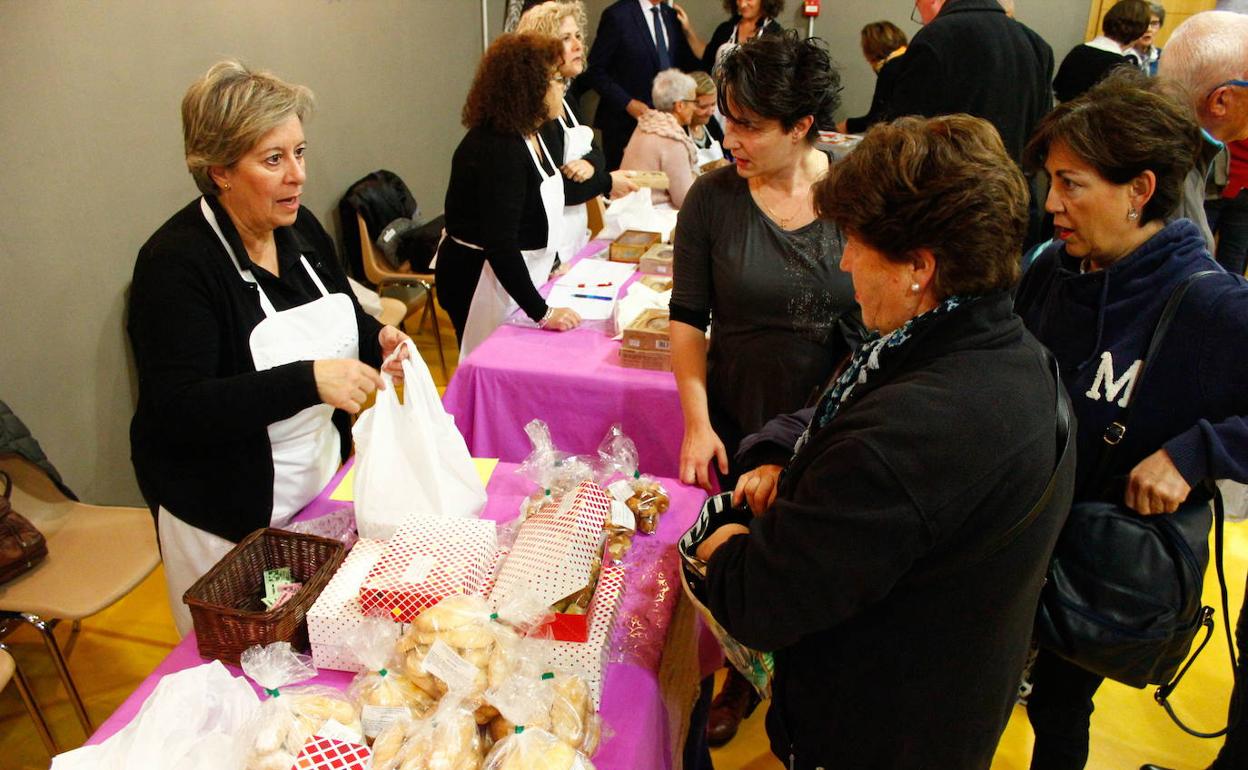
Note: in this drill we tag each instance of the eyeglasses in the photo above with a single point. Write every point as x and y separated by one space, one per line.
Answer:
914 14
1227 83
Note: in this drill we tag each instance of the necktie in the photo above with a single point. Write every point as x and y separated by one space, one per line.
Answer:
665 61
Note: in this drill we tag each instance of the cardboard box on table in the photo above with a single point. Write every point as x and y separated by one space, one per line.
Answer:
554 555
631 244
336 613
657 260
646 342
428 559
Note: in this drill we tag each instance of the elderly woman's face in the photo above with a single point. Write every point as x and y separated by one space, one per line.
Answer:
573 48
882 287
261 190
1146 40
1090 213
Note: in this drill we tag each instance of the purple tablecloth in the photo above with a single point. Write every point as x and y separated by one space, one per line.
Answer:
633 707
572 380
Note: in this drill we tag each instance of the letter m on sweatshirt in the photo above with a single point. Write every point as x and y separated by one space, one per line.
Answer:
1112 387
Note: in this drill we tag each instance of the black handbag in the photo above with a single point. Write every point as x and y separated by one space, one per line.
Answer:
1123 597
21 545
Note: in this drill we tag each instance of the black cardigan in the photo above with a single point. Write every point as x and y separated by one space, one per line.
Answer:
885 81
723 33
199 438
880 662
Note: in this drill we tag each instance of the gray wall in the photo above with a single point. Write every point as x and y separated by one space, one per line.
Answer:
91 160
91 163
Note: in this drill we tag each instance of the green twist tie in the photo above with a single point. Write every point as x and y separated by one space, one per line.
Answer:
548 492
382 671
548 675
519 729
271 693
637 474
493 616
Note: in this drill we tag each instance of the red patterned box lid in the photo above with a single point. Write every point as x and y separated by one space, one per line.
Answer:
589 660
332 754
428 559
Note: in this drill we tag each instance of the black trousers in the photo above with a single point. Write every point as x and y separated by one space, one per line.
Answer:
1060 711
1234 753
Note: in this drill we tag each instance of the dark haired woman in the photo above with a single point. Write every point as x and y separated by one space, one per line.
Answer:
752 255
1117 157
748 19
883 44
1088 62
889 576
504 203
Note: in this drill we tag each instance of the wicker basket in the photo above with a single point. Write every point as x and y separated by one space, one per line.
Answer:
225 603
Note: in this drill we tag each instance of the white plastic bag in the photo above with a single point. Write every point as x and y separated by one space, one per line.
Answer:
189 722
410 458
636 211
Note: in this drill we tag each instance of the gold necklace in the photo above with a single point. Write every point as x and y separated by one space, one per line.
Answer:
781 220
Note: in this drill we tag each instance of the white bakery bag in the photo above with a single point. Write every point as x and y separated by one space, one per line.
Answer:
410 458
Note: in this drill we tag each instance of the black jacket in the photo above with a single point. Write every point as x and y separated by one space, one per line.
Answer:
199 438
885 82
973 58
880 661
723 33
1083 68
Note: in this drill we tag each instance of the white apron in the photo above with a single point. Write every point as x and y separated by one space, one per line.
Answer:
711 153
305 446
577 143
491 304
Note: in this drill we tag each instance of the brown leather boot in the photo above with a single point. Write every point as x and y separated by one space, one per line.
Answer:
735 702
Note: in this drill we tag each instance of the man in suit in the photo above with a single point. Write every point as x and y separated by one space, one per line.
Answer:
636 40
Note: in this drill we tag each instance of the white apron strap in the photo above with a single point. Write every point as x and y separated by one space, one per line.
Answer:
541 170
315 278
570 120
246 275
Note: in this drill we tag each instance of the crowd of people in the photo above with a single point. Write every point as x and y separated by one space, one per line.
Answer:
877 355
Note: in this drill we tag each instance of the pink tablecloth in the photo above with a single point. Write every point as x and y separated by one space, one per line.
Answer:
572 380
632 704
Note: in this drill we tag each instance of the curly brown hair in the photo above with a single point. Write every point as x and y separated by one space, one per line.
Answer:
771 9
945 184
508 93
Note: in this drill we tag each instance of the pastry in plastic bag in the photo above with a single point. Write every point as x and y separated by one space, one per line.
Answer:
382 692
291 715
644 496
448 739
535 749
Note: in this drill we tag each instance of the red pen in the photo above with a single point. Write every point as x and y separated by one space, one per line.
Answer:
596 285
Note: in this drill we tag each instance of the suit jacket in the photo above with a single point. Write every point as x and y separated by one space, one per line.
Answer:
973 58
623 60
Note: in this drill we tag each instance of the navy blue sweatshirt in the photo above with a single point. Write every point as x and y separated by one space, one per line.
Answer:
1098 324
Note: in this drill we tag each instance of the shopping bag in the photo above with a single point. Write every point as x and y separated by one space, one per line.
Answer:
410 458
636 211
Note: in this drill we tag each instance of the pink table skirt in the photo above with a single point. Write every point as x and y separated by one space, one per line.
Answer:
633 707
571 380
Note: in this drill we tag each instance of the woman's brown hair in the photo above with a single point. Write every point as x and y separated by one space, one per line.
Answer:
880 38
1123 126
944 184
508 93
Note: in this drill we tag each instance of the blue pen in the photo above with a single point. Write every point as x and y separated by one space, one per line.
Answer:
592 296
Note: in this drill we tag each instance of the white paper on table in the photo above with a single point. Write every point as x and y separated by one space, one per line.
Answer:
592 273
189 722
639 298
591 304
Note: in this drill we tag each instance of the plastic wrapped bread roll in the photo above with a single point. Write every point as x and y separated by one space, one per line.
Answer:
535 749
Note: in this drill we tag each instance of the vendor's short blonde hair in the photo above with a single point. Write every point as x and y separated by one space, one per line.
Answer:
706 84
545 18
227 111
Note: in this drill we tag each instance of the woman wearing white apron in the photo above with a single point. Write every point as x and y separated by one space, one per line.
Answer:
572 143
504 203
748 19
246 335
703 130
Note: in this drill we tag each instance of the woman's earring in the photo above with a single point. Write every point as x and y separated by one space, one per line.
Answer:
1133 214
914 288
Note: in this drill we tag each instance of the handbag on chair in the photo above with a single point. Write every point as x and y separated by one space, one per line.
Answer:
1123 596
21 545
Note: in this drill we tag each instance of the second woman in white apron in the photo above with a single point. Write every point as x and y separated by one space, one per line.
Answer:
504 203
571 143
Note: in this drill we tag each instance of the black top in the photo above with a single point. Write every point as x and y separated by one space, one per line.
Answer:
199 438
775 296
723 33
885 81
859 576
973 58
493 201
1083 68
575 193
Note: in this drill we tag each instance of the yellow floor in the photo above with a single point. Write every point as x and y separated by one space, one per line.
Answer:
119 647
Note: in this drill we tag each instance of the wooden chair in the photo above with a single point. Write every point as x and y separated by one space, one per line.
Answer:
382 275
96 555
596 210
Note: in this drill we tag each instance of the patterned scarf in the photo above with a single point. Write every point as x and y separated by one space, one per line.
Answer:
875 354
